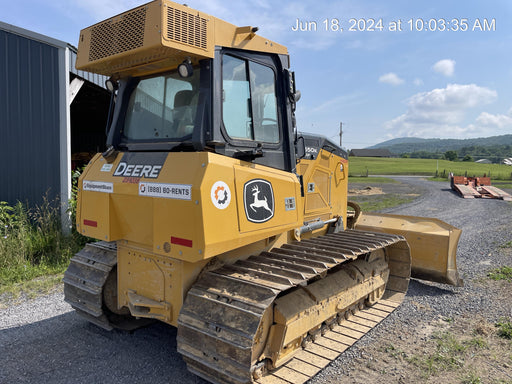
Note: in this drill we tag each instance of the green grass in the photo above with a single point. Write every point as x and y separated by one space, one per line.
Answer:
478 342
502 273
379 202
362 166
31 288
394 352
450 354
32 243
471 378
34 251
504 328
502 185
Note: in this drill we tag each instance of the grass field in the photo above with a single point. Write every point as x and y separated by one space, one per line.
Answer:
363 166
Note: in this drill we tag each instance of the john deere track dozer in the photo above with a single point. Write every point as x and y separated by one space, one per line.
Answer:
216 216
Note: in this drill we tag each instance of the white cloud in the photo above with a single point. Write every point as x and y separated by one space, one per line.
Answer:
445 67
486 119
440 112
391 78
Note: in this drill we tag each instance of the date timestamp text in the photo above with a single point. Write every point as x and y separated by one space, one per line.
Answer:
397 25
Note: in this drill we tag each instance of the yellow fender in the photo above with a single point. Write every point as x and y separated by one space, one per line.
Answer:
433 243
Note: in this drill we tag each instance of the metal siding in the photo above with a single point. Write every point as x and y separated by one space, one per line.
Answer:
99 80
29 119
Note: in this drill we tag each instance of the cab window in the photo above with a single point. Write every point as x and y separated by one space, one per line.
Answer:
162 108
249 105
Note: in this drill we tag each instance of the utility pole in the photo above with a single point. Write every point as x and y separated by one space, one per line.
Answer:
341 132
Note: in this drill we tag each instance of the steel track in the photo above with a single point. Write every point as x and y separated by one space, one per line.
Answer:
220 320
84 282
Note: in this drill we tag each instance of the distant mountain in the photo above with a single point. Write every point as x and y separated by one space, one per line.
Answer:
400 140
414 144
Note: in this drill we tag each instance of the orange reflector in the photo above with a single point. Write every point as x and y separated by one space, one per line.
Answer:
180 241
91 223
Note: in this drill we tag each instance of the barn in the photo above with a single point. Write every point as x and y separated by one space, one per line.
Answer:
52 117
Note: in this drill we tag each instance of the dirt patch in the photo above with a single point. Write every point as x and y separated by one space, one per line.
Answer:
366 191
385 188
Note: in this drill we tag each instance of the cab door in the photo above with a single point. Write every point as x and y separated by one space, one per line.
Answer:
251 118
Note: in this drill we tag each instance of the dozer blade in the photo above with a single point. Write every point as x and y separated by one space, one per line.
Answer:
433 244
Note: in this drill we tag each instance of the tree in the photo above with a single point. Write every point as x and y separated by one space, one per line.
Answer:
450 155
467 158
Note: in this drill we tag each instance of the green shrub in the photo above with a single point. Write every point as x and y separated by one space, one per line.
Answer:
504 328
32 242
502 273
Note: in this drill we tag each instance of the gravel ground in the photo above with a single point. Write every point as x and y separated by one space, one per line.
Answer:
486 225
43 340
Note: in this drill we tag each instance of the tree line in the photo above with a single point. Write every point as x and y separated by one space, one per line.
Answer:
493 153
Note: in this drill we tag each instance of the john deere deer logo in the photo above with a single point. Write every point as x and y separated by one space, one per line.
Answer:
258 200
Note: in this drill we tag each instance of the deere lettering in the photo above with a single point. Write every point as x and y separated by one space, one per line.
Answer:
132 170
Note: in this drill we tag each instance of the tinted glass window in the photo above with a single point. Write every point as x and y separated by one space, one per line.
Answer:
162 107
249 100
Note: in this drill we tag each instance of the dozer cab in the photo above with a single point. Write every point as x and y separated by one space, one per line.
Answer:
214 215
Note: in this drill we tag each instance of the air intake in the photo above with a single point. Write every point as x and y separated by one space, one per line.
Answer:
187 28
118 35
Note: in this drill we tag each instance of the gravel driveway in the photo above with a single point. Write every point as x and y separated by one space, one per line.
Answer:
44 341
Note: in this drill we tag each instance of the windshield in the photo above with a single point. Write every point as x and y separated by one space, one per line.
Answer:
162 108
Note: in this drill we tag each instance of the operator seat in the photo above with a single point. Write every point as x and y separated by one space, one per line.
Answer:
184 111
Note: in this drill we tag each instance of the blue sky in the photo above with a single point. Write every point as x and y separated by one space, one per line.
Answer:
432 82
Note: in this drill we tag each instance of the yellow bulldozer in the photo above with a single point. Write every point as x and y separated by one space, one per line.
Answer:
216 216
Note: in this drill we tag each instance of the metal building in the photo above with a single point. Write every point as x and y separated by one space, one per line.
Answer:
52 117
